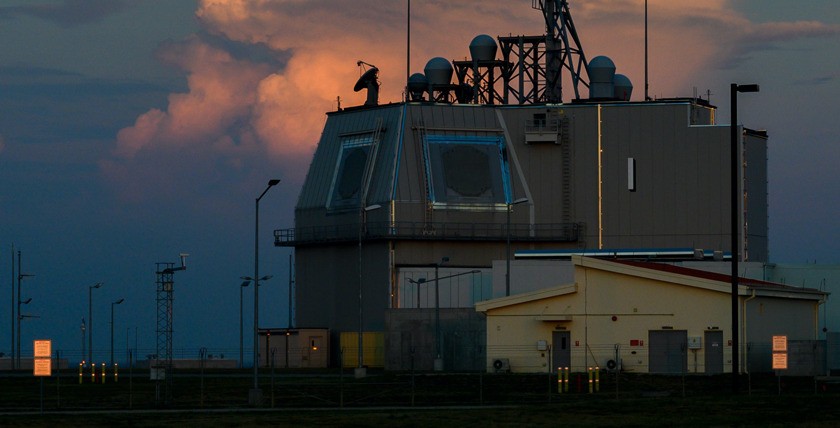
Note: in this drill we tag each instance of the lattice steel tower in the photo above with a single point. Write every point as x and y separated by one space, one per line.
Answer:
165 287
534 64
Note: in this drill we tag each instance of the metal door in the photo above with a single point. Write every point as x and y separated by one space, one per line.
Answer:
667 351
561 349
714 351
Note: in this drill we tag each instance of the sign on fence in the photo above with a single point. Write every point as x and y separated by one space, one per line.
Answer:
42 364
780 356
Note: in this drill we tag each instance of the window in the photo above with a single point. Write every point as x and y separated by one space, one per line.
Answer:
467 171
348 178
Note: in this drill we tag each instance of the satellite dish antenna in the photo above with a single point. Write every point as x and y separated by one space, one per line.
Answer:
369 81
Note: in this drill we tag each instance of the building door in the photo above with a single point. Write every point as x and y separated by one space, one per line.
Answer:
561 349
667 351
714 351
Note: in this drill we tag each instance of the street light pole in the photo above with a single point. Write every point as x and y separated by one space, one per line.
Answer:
360 369
90 320
112 328
256 394
241 343
20 276
84 341
507 251
20 318
734 88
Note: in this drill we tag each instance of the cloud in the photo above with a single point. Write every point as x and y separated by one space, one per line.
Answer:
262 74
69 13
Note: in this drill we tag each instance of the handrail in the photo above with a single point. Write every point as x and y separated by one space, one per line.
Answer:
562 232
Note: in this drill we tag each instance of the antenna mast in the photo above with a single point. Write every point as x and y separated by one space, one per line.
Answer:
534 64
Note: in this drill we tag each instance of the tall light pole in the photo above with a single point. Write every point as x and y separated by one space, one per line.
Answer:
735 144
507 249
12 310
20 318
241 343
255 396
84 341
90 320
112 328
20 277
360 369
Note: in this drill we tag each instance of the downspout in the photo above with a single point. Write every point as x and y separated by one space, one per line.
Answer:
744 332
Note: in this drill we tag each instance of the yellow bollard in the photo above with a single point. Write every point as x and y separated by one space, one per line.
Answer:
92 373
597 378
591 378
560 380
103 373
81 375
568 379
116 372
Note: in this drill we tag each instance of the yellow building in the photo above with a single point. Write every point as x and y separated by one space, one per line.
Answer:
649 317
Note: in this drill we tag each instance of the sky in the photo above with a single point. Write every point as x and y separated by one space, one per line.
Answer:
135 130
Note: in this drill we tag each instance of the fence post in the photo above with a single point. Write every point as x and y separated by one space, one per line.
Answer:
116 373
103 376
81 374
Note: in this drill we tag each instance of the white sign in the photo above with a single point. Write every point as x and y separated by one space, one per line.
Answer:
42 363
779 343
780 361
43 348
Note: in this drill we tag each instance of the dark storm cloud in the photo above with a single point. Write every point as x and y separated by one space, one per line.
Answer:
68 105
69 13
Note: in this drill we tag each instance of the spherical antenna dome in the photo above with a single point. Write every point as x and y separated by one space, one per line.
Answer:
438 71
483 48
601 69
417 82
623 87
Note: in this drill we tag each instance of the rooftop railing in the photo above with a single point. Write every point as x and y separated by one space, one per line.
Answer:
557 232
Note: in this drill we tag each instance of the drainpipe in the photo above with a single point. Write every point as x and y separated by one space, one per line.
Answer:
744 326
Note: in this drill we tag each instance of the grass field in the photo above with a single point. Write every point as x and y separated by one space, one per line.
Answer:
399 399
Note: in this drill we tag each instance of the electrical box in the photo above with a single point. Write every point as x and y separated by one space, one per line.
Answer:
542 345
695 342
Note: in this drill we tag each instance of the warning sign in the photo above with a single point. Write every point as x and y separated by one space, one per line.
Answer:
43 367
779 343
43 348
42 363
780 361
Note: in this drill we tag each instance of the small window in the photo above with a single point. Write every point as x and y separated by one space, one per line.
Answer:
348 178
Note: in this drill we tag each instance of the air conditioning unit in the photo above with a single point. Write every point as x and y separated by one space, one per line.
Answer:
501 365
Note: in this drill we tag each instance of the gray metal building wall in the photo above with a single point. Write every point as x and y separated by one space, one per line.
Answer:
681 196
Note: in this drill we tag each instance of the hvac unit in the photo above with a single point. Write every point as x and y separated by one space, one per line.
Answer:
501 365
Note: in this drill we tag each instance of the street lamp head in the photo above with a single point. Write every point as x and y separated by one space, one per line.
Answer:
373 207
266 278
26 302
245 283
273 182
97 285
119 301
752 87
